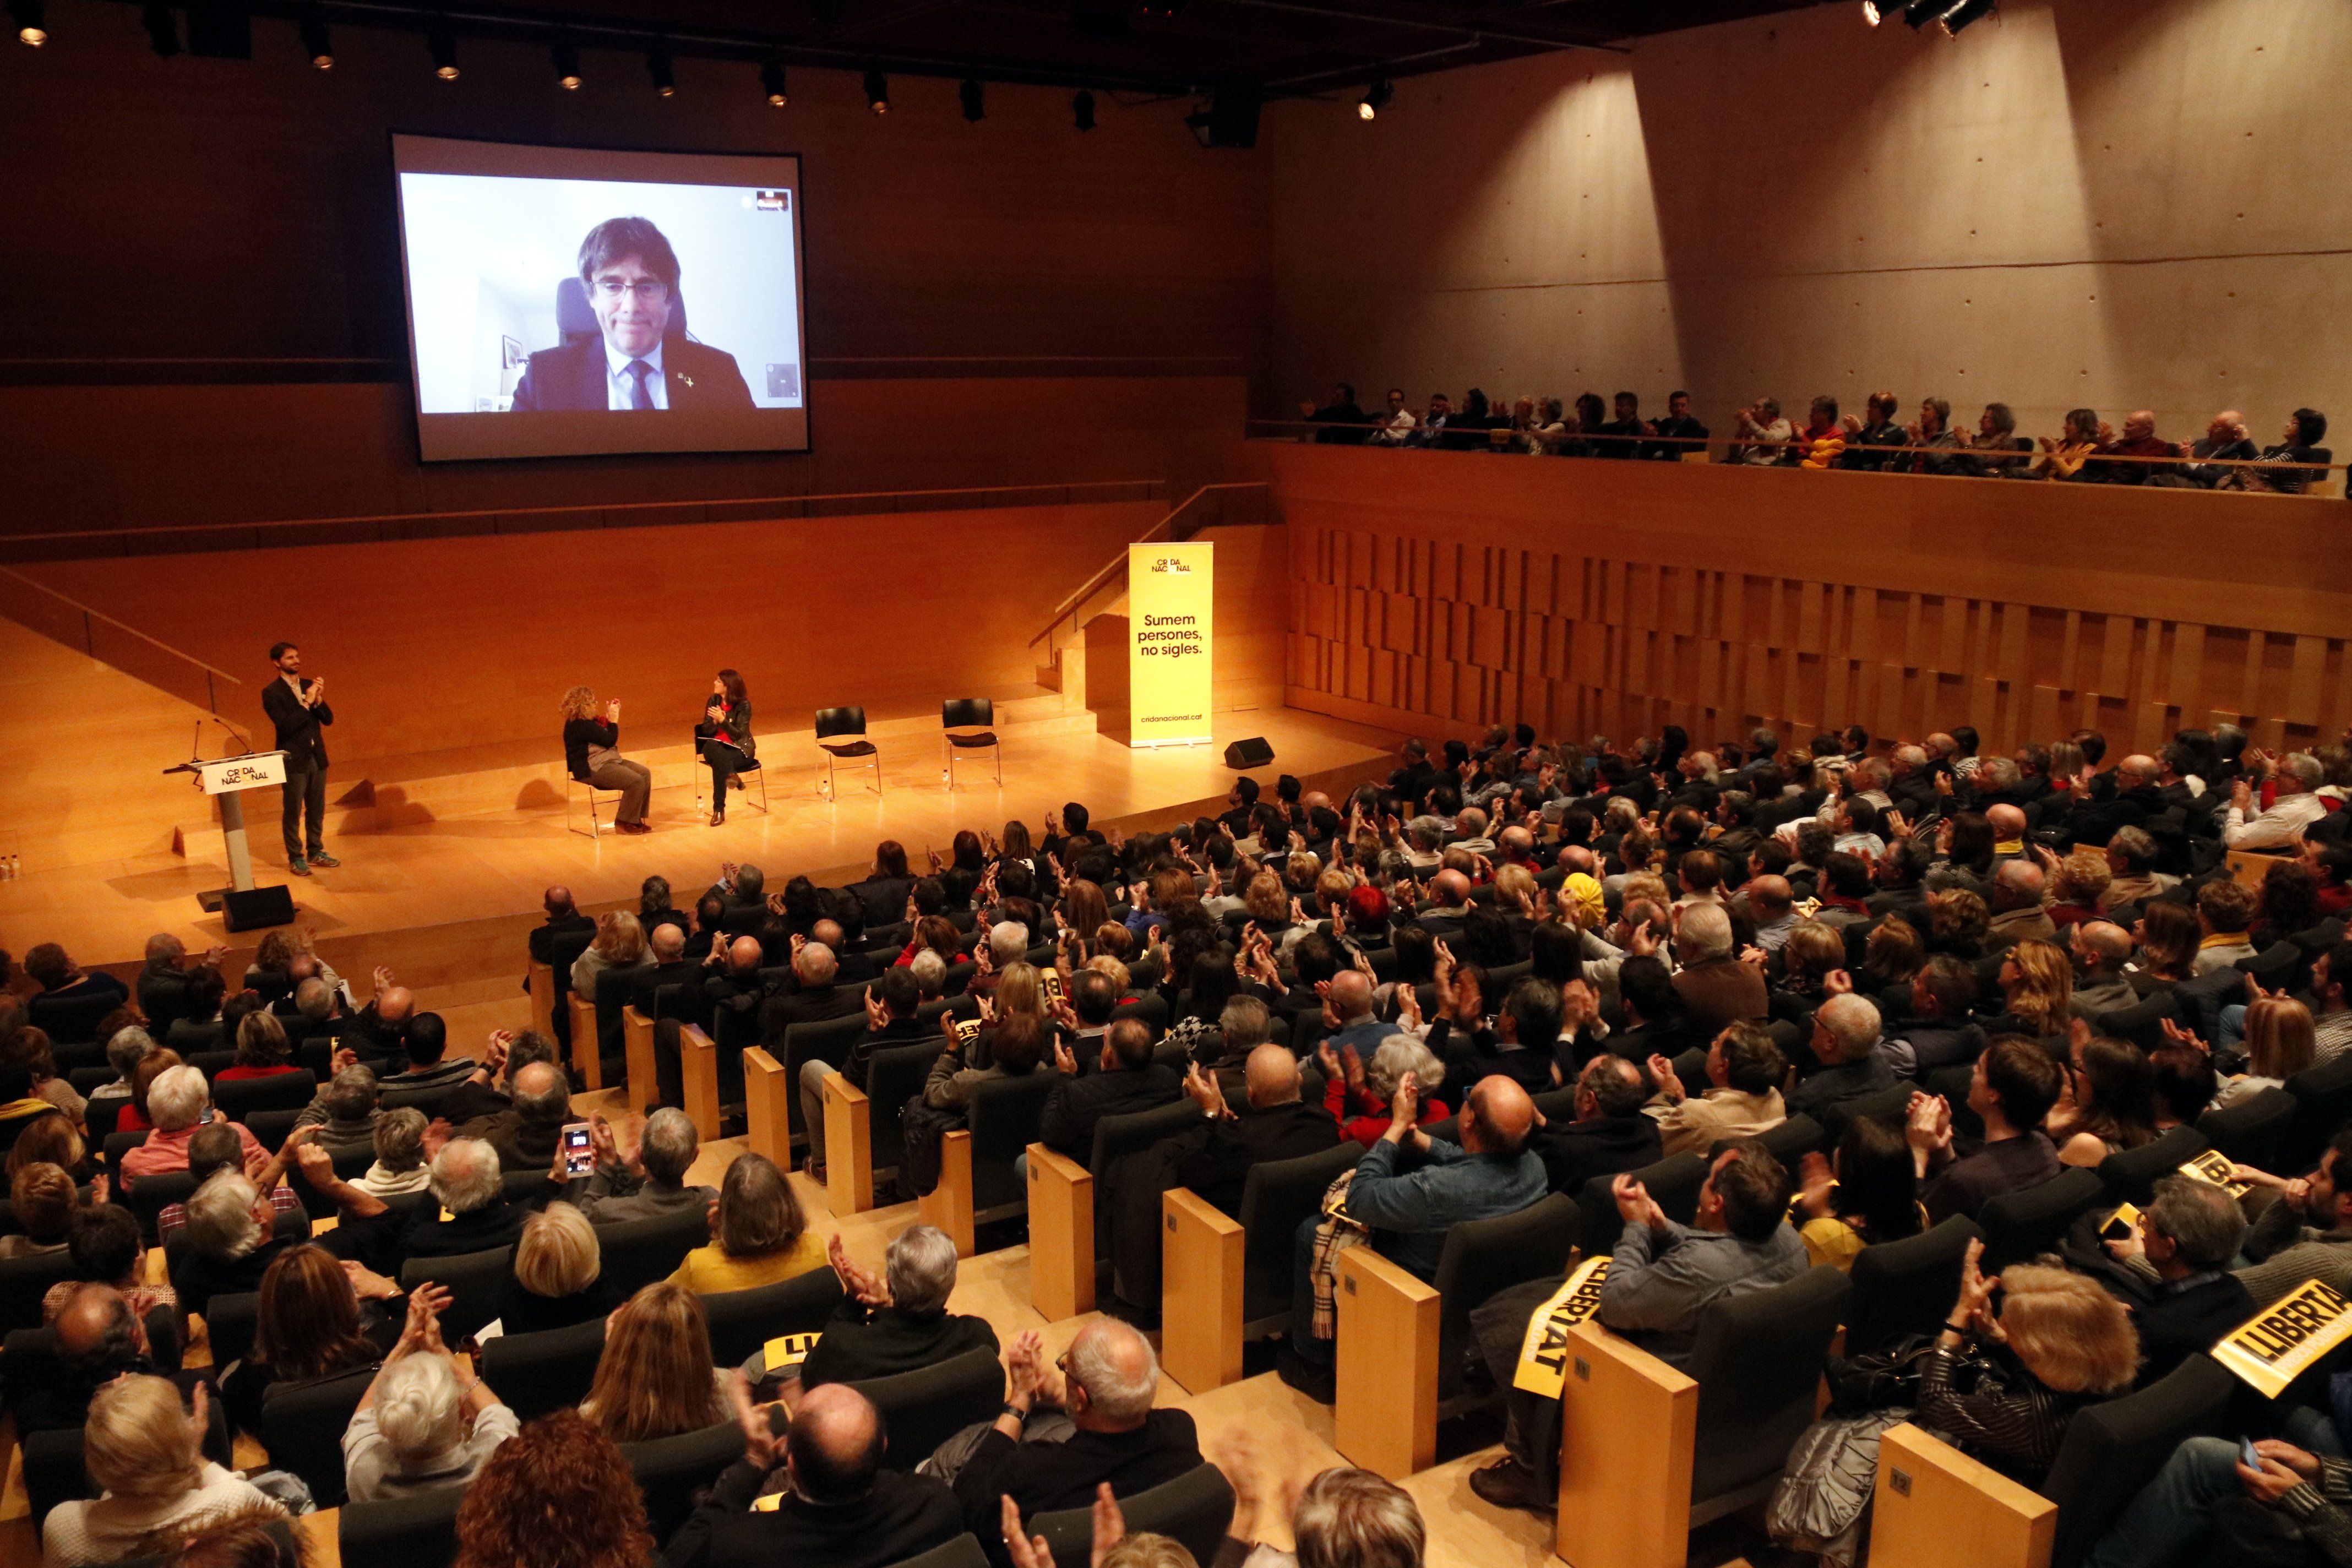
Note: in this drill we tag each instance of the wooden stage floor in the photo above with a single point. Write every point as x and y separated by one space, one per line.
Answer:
442 890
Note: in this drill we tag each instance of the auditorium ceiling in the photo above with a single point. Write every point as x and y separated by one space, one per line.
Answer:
1285 47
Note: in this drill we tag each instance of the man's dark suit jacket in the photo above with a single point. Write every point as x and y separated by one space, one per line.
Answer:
543 935
1041 1478
575 378
1217 1164
1066 1126
806 1004
1574 1153
904 1515
298 727
862 1343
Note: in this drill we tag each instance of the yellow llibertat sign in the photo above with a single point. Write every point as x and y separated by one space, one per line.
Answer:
1172 592
2288 1337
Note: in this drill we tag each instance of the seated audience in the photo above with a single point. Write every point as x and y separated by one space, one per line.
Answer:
422 1423
182 1101
759 1234
897 1323
125 1048
1846 1042
309 1324
464 1178
345 1111
1610 1133
104 1242
1125 1079
655 1378
559 1466
399 1166
42 1198
155 1487
1867 1192
1358 1094
262 1050
231 1241
558 1274
2186 1238
2014 1087
529 1134
1662 1278
646 1180
2280 1043
1745 1069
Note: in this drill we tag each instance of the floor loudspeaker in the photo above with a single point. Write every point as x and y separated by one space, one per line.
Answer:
1253 752
272 905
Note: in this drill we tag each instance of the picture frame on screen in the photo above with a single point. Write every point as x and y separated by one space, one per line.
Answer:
547 292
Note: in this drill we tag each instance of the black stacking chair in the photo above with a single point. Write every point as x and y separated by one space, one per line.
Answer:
841 736
968 724
1792 1140
71 1020
963 1551
230 1323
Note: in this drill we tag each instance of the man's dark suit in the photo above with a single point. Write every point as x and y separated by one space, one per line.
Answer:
654 976
306 761
575 378
1075 1104
541 940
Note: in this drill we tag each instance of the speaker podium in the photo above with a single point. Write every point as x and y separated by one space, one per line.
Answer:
244 906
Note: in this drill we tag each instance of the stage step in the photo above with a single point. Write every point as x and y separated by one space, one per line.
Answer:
385 793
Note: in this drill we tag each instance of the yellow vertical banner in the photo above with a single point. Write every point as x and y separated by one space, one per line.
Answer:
1172 593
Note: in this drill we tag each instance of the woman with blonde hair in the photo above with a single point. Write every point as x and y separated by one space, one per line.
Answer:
262 1049
620 943
2038 979
1022 989
591 753
1268 903
655 1378
760 1233
156 1487
2280 1043
559 1269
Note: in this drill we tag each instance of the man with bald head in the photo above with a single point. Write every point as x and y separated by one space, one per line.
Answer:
2138 439
98 1339
1348 1014
2226 440
732 988
1772 903
665 946
1410 1189
1443 919
381 1028
2100 950
814 993
563 917
1662 1278
526 1133
1212 1160
2015 899
837 1506
1069 1426
2135 799
2008 824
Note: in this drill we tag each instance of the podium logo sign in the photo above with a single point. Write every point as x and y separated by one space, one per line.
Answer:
1171 609
243 773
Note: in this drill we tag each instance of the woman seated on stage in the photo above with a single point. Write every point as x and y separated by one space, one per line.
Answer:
591 753
724 738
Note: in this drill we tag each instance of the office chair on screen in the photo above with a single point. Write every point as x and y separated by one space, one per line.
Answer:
841 736
968 724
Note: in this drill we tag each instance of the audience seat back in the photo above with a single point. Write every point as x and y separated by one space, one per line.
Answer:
1758 1363
1907 1287
428 1100
29 1365
1674 1182
1793 1141
670 1471
640 1251
827 1041
924 1408
71 1020
2020 1227
151 1195
1890 1104
2142 1023
1151 1008
1275 1196
24 1282
237 1099
478 1283
743 1320
536 1374
2323 1104
230 1324
54 1472
270 1129
2114 1448
613 991
415 1532
963 1551
1116 1136
1004 1118
1195 1510
2254 1130
895 1076
302 1426
2131 1176
1484 1255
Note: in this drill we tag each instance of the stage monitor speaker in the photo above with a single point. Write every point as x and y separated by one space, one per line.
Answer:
1253 752
261 906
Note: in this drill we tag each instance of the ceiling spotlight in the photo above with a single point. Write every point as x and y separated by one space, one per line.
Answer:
1376 97
976 107
1962 14
163 28
443 43
658 68
1871 13
313 30
1082 109
566 56
30 16
771 82
1919 13
877 92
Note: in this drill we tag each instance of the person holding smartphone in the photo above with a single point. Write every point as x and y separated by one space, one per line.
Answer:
591 753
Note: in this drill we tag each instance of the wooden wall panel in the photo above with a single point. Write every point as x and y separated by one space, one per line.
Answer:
1720 599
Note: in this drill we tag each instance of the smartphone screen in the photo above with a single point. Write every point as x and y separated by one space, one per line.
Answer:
2247 1456
579 1153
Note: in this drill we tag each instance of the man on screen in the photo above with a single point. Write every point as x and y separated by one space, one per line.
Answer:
636 361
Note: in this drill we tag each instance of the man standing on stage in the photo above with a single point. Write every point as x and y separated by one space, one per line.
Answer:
299 706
